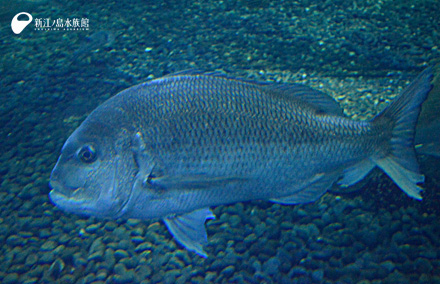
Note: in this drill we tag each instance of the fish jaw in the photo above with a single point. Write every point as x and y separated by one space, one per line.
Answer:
70 200
77 201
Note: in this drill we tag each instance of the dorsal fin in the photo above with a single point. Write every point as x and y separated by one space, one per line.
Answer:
321 101
317 99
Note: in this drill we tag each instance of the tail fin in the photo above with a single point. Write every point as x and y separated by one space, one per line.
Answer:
401 164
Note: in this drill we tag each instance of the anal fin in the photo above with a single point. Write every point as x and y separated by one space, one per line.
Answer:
357 172
311 192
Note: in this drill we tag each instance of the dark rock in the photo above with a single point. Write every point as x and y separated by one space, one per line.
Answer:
228 271
396 277
423 265
31 259
318 275
272 266
210 277
56 268
297 271
11 278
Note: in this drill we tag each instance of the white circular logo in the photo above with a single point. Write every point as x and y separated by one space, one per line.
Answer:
18 26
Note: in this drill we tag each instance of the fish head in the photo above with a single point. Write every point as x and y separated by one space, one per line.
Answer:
95 171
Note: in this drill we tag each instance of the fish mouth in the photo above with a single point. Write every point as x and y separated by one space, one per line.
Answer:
67 198
61 189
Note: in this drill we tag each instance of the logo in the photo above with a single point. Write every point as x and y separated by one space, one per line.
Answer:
46 24
18 26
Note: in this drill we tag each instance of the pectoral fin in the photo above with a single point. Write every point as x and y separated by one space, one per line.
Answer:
189 229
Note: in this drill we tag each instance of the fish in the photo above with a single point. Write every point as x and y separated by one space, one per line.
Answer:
173 147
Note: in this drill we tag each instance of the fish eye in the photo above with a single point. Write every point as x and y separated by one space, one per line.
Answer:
87 154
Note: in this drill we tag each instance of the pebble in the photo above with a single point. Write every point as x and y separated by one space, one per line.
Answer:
143 246
110 226
228 271
423 265
14 240
48 246
97 256
78 260
119 254
250 238
33 280
91 229
47 258
109 258
272 266
388 265
11 278
210 276
133 222
56 268
318 275
31 259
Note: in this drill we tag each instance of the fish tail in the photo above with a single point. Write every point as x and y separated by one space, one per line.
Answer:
398 158
400 163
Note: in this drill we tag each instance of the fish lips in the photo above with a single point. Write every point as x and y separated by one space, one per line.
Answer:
69 199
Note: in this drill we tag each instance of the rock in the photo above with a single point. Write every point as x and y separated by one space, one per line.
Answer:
67 279
138 239
318 275
110 226
177 263
31 259
101 275
125 244
78 260
96 257
33 280
228 271
109 258
130 262
14 240
48 246
170 276
388 265
143 246
396 277
91 229
97 246
56 268
210 277
423 265
122 275
297 271
250 238
47 258
260 229
272 266
119 254
133 222
121 233
10 278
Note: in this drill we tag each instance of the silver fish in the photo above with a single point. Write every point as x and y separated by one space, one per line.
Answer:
172 147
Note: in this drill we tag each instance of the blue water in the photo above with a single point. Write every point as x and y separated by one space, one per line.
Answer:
52 77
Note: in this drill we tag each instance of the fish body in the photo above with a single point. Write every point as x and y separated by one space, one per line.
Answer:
173 147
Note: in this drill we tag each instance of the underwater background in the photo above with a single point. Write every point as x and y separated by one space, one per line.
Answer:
363 53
